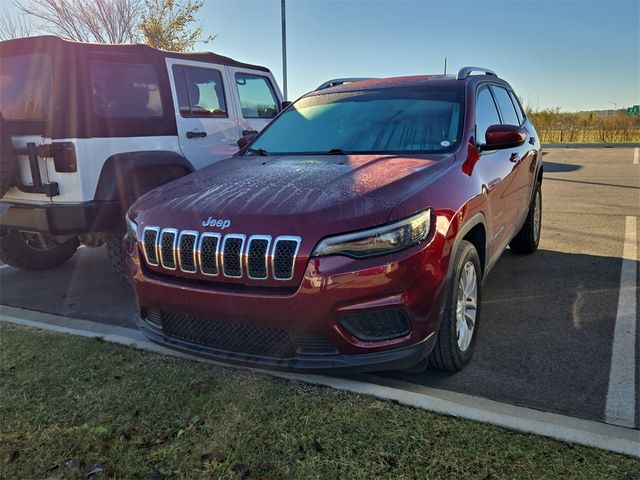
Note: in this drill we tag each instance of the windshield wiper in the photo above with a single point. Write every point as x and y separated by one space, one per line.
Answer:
260 151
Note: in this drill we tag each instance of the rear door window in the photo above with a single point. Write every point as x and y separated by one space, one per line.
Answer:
508 111
516 104
200 92
257 98
125 90
486 113
25 87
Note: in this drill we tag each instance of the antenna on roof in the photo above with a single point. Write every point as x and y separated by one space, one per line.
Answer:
445 65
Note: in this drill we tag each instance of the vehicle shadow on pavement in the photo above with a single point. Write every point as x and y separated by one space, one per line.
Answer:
553 167
545 337
85 287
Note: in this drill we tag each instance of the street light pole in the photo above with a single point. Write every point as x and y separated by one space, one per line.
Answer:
284 48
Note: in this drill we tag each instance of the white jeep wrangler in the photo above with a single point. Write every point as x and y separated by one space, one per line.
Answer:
87 128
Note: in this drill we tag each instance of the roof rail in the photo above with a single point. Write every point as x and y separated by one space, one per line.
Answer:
464 72
334 82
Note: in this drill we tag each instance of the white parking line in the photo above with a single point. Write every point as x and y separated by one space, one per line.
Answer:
636 155
621 396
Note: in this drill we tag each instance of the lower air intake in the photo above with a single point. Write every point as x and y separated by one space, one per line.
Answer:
377 324
247 339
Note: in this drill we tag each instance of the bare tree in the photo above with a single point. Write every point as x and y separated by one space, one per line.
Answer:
102 21
15 26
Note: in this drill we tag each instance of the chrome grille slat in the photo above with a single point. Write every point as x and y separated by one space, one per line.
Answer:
259 257
232 255
187 241
256 256
168 239
150 244
285 250
208 250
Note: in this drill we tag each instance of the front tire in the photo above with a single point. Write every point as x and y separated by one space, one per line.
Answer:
113 244
459 323
528 238
27 251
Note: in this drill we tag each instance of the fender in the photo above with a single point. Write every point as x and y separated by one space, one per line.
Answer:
150 168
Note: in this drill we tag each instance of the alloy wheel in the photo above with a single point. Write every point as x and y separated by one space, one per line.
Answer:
537 215
466 306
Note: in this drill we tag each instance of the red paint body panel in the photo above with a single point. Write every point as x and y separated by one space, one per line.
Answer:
315 197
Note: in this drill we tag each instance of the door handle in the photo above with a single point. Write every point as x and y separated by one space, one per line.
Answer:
249 132
194 134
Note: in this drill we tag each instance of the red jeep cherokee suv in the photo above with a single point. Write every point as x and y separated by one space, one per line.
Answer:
353 233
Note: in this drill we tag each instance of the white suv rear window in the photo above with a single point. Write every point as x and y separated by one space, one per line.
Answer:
25 87
125 90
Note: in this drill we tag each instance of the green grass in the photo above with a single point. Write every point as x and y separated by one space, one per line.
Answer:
67 403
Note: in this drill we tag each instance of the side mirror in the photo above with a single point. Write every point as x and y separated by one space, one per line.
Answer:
284 104
504 136
244 140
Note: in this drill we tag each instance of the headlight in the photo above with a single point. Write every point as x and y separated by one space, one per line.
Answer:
389 238
132 227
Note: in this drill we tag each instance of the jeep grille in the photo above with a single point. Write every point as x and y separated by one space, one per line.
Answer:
211 254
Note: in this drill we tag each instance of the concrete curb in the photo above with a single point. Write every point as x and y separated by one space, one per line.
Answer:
592 145
560 427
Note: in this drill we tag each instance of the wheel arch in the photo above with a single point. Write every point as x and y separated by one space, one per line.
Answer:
473 230
128 172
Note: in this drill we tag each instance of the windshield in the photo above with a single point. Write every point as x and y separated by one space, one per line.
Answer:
398 120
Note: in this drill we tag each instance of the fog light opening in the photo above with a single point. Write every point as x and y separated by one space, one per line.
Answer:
377 325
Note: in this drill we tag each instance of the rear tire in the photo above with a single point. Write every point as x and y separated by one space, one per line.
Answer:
8 161
458 329
24 253
528 238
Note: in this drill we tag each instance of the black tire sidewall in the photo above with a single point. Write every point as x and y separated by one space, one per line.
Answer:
113 245
537 195
467 252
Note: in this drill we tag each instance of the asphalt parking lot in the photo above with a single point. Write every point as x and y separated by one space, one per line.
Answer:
547 333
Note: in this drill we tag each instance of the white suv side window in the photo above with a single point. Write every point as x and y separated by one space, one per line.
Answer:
200 92
125 90
257 98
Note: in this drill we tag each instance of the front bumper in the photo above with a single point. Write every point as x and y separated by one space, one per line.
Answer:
413 280
57 219
394 359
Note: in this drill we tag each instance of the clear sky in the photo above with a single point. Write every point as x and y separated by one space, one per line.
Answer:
572 54
577 55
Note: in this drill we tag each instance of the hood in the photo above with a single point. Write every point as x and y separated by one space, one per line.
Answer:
310 196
